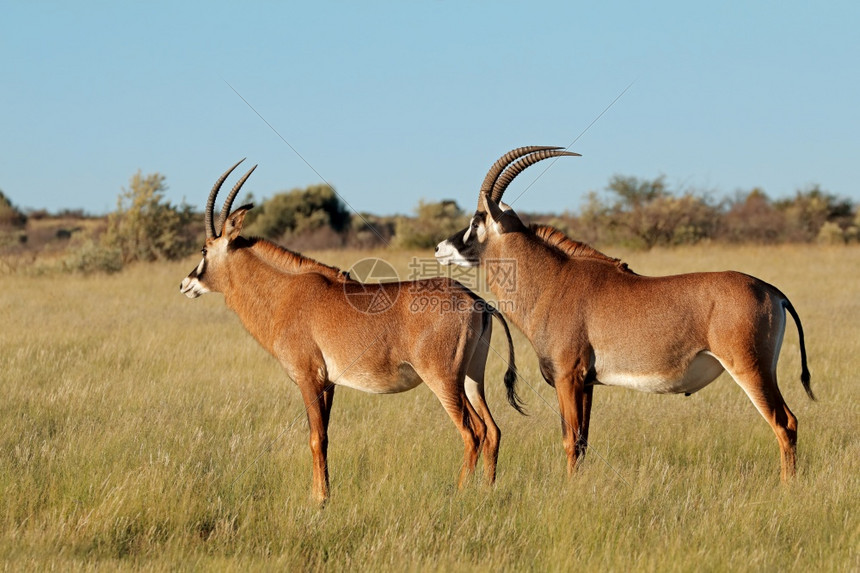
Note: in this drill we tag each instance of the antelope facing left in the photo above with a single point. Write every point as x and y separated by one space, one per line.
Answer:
328 330
592 320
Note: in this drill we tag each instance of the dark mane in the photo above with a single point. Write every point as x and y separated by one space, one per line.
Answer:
292 262
570 248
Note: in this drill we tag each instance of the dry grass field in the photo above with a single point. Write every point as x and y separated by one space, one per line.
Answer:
143 430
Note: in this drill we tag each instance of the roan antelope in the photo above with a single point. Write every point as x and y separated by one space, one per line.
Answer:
591 320
328 330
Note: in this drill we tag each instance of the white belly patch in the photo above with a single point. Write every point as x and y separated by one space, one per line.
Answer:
700 372
375 383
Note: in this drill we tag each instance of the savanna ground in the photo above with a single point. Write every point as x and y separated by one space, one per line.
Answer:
140 429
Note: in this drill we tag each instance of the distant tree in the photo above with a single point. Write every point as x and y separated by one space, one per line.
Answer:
298 212
652 215
10 216
370 231
752 217
594 222
852 232
831 234
809 209
432 223
147 227
634 192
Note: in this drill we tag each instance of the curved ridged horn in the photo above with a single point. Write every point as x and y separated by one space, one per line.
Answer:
210 204
504 161
512 171
228 203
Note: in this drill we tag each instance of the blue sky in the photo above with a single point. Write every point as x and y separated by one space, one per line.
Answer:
395 102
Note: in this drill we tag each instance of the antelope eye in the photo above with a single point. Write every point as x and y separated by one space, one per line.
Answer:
203 251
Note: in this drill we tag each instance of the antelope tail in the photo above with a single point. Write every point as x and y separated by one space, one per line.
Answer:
511 374
804 373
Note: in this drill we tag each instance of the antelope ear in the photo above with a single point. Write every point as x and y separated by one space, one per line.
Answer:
233 224
491 207
512 221
505 219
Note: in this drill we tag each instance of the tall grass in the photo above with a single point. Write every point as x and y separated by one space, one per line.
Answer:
139 429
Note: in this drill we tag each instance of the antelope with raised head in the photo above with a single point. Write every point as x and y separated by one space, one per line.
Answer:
327 330
591 320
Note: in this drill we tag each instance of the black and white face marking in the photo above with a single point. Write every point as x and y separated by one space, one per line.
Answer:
464 247
191 285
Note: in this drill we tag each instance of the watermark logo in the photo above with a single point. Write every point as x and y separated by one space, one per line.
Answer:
494 275
423 268
375 286
429 294
502 274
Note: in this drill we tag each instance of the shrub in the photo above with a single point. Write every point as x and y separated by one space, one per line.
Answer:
368 231
433 222
831 234
649 214
298 212
90 257
752 217
146 227
10 216
12 238
809 210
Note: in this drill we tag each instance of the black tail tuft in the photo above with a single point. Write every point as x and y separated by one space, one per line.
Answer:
510 384
805 379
